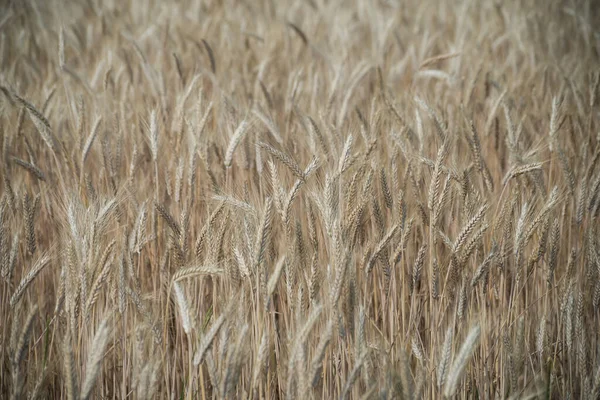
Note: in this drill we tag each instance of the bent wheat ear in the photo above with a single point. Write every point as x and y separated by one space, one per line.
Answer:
263 234
416 278
468 228
275 277
191 272
40 122
95 359
153 135
381 247
90 140
522 169
286 160
69 369
38 266
461 361
29 209
345 156
30 167
61 47
353 375
269 124
24 337
556 103
317 361
261 358
235 140
168 218
434 185
183 308
442 369
100 279
208 339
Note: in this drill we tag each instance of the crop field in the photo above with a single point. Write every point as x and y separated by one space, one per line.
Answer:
299 199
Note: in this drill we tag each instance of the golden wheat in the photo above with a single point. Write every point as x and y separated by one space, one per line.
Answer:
319 199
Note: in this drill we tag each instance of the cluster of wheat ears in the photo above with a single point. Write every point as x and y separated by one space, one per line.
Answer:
299 199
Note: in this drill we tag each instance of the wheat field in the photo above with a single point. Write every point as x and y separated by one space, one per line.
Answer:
320 199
